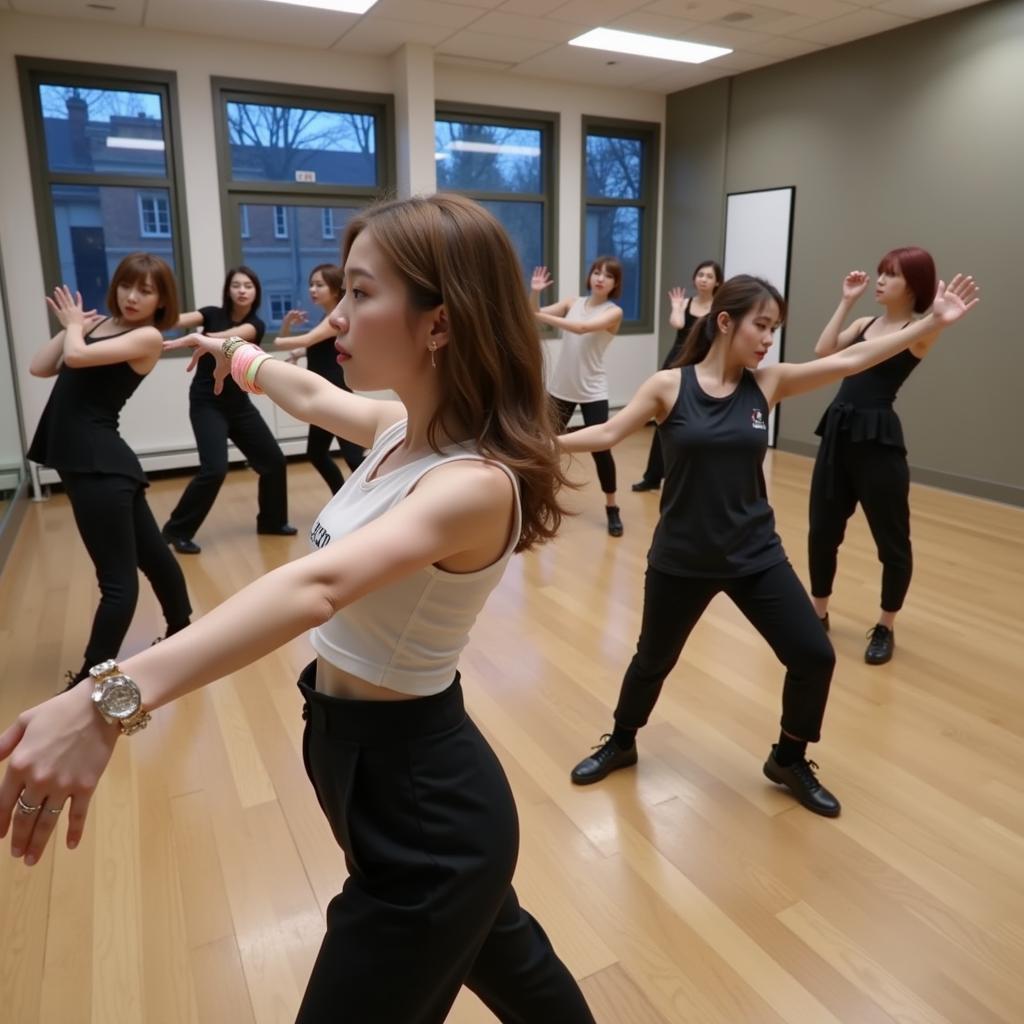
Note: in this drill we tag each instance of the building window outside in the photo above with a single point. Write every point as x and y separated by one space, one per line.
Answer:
154 216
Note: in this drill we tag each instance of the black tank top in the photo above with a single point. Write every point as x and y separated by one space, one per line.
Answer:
715 517
78 431
215 320
681 335
322 359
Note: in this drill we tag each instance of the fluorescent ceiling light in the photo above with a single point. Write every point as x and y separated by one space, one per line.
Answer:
648 46
124 142
342 6
494 147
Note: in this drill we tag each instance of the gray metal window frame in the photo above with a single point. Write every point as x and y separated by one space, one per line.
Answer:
649 133
36 71
547 122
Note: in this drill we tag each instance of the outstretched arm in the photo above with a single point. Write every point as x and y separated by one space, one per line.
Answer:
788 379
608 321
290 342
833 337
59 749
654 400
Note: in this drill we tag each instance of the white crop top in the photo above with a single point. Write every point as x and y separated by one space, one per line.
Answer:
408 635
579 374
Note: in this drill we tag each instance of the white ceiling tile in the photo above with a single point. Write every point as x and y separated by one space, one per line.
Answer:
474 62
486 5
526 27
784 47
426 12
238 19
540 8
722 35
685 77
698 10
382 36
819 10
740 60
654 25
128 12
924 8
853 26
593 13
505 48
591 67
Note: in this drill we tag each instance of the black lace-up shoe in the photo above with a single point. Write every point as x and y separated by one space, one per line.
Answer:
881 642
183 545
614 520
645 485
608 757
800 780
284 530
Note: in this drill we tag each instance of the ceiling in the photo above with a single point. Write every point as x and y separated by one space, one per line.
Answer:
528 37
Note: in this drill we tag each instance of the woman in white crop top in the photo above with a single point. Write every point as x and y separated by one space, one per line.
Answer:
462 471
588 324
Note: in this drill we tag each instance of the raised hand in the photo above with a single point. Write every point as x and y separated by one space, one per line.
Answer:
677 296
954 300
292 318
540 279
854 284
67 308
202 345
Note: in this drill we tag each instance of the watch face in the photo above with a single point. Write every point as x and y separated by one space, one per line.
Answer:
121 698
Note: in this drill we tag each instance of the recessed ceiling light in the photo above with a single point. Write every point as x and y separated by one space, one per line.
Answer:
342 6
648 46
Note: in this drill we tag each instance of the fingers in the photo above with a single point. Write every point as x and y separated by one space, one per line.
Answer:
27 808
10 738
77 811
196 355
44 822
9 790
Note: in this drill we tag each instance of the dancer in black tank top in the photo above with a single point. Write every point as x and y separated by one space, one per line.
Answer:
99 362
326 287
717 531
685 313
862 457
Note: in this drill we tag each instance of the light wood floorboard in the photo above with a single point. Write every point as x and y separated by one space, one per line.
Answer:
686 890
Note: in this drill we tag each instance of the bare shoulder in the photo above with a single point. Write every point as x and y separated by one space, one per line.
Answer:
471 486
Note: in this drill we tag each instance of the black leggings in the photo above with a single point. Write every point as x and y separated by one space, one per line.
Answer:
215 421
877 476
424 814
119 532
318 448
776 605
593 413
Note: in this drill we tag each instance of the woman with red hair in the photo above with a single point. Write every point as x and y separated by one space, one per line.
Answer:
862 457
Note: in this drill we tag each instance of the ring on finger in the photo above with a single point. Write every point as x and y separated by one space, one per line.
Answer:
27 808
55 810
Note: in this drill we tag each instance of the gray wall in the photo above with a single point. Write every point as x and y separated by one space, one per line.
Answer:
914 137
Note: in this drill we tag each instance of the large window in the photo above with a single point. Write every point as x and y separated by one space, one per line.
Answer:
102 143
295 165
506 164
620 161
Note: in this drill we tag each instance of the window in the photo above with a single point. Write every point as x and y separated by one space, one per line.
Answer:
620 193
105 165
279 303
280 222
295 166
154 216
505 163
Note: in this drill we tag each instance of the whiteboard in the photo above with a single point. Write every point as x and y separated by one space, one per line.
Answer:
758 235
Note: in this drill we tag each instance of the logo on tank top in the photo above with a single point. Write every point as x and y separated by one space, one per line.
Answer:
318 536
757 420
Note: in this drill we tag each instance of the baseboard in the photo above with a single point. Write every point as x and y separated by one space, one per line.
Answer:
972 486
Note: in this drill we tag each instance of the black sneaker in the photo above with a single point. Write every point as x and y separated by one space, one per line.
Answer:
183 545
800 780
614 520
824 621
881 642
645 485
609 757
284 530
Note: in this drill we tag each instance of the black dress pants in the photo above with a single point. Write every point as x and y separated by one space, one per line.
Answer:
121 535
776 605
424 814
877 476
593 413
215 421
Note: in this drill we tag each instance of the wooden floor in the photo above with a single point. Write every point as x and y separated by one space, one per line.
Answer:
686 890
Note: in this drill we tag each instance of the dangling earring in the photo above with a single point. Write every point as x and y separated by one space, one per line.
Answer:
433 349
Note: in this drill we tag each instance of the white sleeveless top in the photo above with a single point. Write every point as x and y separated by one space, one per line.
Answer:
579 374
408 635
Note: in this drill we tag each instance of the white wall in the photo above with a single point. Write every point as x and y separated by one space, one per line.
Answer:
157 419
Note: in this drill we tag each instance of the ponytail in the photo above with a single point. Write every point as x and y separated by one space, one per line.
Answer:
737 297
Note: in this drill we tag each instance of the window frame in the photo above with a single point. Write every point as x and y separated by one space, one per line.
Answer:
649 134
548 123
281 231
156 200
36 71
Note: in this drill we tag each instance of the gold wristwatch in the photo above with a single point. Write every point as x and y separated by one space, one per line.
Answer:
116 697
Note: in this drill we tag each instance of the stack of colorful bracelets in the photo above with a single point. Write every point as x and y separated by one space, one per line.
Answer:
246 360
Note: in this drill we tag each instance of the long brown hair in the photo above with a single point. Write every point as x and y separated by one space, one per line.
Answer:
450 250
737 297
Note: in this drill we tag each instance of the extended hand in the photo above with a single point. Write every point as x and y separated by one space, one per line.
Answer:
954 300
540 279
854 284
677 296
293 317
202 345
67 308
58 751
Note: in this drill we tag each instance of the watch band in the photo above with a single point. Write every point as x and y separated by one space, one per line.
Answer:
139 718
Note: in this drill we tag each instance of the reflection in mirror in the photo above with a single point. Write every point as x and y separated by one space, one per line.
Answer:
12 460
